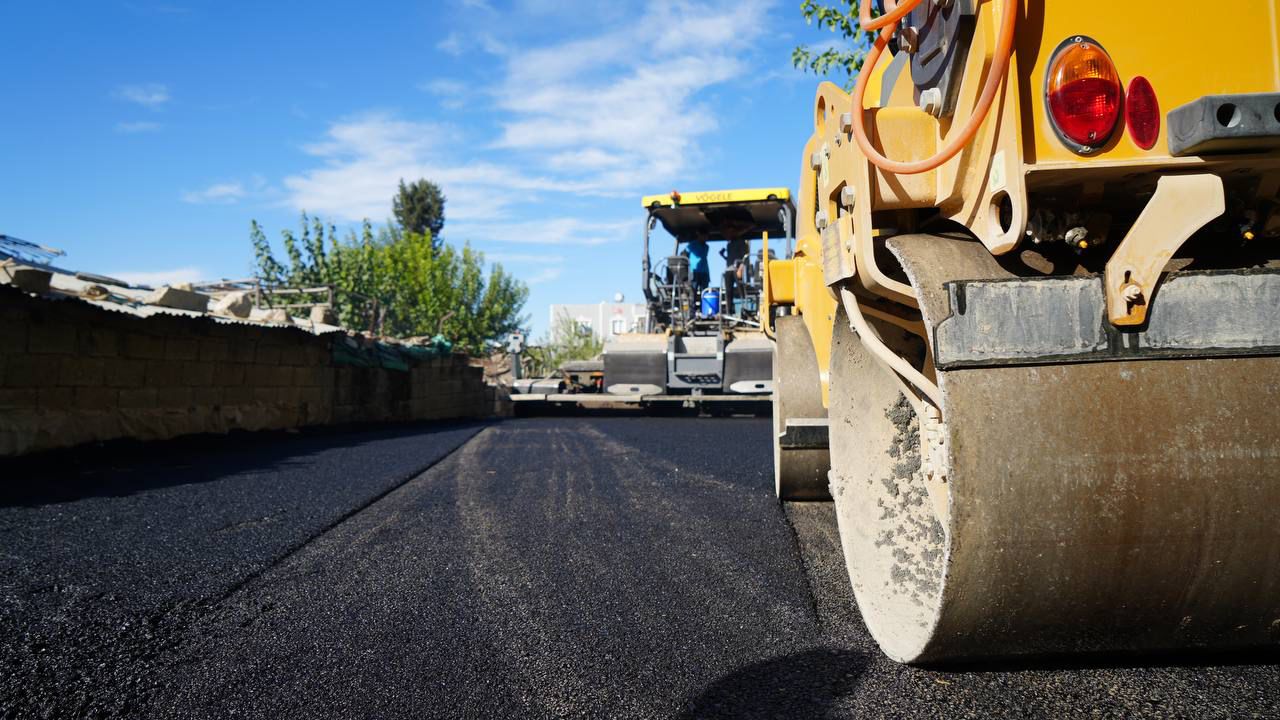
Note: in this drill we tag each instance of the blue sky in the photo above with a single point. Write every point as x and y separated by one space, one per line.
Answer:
142 137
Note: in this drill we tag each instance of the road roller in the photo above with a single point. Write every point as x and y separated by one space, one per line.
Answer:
1035 306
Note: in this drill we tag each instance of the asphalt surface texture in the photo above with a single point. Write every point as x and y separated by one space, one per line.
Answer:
542 567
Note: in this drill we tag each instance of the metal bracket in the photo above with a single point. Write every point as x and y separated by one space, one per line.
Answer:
804 434
1182 204
944 34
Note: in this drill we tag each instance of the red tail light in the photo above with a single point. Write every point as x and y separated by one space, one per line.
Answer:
1142 113
1084 94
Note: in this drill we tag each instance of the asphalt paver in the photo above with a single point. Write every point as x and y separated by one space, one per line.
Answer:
566 567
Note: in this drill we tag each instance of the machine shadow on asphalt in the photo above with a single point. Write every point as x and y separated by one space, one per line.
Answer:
804 684
127 467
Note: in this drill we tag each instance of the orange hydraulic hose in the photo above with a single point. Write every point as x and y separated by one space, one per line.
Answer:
995 76
892 13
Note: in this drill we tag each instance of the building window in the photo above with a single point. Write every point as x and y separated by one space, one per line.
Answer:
619 326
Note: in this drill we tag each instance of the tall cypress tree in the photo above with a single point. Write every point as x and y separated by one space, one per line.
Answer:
419 208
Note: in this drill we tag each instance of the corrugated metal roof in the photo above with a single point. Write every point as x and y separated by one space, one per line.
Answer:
130 301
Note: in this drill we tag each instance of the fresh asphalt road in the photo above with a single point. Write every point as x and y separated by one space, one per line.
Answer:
580 567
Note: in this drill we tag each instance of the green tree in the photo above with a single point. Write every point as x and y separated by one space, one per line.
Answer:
567 340
419 208
421 287
265 265
445 289
308 260
842 58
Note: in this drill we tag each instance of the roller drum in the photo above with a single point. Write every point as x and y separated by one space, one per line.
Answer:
1088 506
800 473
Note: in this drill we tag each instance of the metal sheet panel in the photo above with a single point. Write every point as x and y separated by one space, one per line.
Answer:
1063 319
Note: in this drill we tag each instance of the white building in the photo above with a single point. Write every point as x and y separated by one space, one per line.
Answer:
604 319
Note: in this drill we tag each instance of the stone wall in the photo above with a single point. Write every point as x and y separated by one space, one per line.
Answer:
74 373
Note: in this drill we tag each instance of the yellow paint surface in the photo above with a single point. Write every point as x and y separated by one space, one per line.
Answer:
1171 43
709 197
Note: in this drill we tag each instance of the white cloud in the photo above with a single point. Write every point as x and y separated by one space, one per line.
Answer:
613 114
545 276
552 231
588 159
623 107
156 278
492 45
451 44
545 267
143 126
151 95
452 93
365 159
532 258
455 44
443 86
218 193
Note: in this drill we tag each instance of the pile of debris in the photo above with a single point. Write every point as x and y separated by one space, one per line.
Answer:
29 267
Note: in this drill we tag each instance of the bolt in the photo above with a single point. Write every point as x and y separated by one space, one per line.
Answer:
815 161
848 196
821 220
931 101
908 39
846 123
1076 235
1132 293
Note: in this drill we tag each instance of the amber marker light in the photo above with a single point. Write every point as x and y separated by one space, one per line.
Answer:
1083 93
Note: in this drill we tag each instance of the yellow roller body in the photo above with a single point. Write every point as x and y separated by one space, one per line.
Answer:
1052 373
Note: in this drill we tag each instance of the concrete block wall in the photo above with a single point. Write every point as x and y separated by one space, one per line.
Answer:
73 373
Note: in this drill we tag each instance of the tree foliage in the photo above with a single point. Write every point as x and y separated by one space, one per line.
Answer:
421 287
419 208
567 340
843 57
